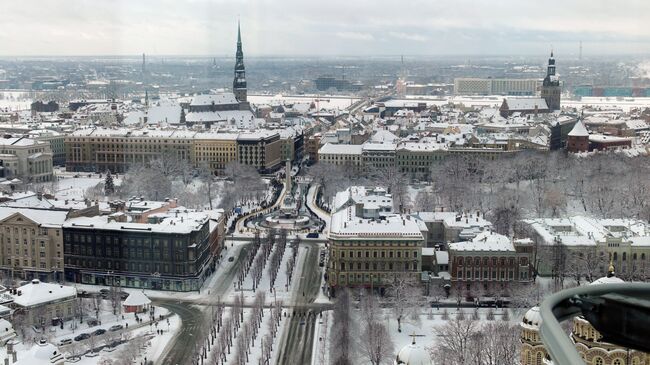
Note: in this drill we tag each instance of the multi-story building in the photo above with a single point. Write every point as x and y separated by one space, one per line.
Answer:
445 227
31 243
215 150
56 141
416 159
26 159
175 250
370 245
626 242
513 87
100 150
312 144
489 262
346 155
260 149
378 156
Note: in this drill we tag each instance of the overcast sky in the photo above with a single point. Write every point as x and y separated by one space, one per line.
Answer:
323 27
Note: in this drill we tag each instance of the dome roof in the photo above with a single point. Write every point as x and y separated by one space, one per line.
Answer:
413 354
533 317
608 280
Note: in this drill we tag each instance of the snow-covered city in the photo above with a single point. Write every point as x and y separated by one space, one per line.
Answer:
234 183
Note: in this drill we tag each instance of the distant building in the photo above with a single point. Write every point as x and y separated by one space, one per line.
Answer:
551 90
578 139
511 106
98 149
41 107
26 159
489 86
325 83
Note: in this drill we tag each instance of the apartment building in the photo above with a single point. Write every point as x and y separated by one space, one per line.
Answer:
174 250
31 243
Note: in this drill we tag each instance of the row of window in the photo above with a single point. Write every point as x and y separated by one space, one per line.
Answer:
493 261
383 266
496 275
378 254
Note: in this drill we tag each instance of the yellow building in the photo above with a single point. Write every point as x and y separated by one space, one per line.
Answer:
370 245
215 150
31 243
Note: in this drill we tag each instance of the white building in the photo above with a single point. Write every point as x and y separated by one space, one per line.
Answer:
26 159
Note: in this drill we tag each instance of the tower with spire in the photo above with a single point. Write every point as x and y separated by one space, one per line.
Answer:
551 89
239 83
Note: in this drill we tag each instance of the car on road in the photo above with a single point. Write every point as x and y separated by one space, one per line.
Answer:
65 341
81 337
116 327
99 332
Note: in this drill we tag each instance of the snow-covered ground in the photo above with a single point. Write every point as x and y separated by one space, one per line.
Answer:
152 350
423 328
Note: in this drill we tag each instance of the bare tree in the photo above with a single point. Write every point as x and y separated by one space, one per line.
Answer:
455 346
376 344
405 298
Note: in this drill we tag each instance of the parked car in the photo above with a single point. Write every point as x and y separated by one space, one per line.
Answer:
231 259
92 322
116 327
99 332
65 341
312 235
81 337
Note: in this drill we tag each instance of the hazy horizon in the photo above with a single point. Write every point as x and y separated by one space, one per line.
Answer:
292 28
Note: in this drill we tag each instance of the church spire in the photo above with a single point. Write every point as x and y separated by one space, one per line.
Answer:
239 82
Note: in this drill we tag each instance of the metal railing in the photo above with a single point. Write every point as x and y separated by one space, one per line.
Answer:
566 304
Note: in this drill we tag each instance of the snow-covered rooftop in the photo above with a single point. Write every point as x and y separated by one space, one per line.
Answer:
587 231
579 130
342 149
38 293
485 241
45 218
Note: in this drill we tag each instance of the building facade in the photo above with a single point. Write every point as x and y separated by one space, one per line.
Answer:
489 263
31 244
26 159
512 87
171 252
368 244
116 150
